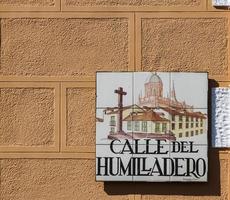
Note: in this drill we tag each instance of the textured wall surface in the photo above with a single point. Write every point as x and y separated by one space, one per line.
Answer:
27 117
67 47
133 3
28 2
80 114
53 179
48 62
188 44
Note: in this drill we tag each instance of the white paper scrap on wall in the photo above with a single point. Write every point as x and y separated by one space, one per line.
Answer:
221 2
221 117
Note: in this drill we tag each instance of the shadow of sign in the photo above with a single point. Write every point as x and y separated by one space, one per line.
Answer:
210 188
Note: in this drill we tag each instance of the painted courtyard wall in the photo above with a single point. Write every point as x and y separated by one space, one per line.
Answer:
49 57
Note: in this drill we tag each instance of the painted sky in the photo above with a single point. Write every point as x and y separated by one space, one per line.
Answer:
190 87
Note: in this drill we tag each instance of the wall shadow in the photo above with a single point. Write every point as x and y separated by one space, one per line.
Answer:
222 7
210 188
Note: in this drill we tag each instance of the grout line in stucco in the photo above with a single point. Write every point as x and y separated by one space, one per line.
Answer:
60 130
134 27
228 45
64 147
128 8
131 44
47 155
82 79
0 45
59 11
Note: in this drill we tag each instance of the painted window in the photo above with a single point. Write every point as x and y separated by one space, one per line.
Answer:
164 127
180 118
201 131
112 121
173 126
137 126
187 134
192 133
173 117
201 122
112 130
180 125
197 132
144 126
187 125
129 125
180 134
197 122
157 127
191 125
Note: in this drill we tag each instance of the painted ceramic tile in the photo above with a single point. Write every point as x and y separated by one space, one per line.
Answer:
151 97
189 163
112 87
109 126
189 90
152 163
221 117
190 125
114 163
151 89
150 113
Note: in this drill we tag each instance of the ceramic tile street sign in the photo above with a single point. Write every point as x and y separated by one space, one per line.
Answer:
151 126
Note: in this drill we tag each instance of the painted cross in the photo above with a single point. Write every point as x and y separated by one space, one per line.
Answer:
120 93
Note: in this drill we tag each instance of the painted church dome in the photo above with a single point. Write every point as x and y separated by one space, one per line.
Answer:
155 79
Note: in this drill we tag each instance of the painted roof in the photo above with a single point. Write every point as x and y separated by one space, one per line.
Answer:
98 119
114 110
145 110
144 116
184 112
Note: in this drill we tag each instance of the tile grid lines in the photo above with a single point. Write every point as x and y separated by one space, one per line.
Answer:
170 87
132 111
60 115
170 128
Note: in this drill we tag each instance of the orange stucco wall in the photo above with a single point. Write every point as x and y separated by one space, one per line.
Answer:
50 51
